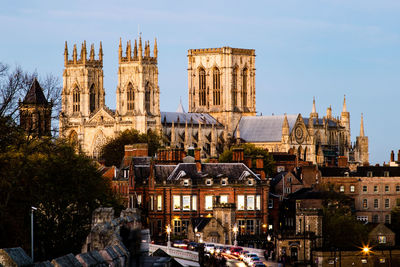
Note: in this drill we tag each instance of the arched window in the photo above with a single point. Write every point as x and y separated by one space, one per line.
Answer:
202 87
92 98
130 96
244 87
216 87
234 85
76 100
147 98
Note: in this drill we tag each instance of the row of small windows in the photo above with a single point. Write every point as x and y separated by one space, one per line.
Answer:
217 87
365 188
375 219
376 203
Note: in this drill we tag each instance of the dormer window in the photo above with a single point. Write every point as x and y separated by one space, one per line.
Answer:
224 181
209 181
186 182
250 182
126 173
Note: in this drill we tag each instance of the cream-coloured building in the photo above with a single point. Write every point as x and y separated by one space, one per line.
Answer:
222 107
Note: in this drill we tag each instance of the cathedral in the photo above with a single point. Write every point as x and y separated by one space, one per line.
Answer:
222 107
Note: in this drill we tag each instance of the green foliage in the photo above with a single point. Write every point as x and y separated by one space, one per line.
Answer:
341 229
250 150
113 151
64 186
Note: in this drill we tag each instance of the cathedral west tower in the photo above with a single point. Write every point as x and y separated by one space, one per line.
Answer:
138 93
222 83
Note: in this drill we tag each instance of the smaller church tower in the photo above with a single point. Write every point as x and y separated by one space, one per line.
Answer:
35 112
361 150
345 122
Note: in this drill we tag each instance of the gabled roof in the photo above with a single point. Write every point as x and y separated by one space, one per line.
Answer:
200 223
233 171
35 95
381 229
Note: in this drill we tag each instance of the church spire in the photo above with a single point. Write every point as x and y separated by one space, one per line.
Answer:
140 49
120 50
155 51
135 50
285 126
362 126
66 54
91 56
344 104
313 113
83 52
74 54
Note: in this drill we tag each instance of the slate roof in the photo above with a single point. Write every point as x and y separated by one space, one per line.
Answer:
264 128
233 171
200 223
306 193
269 128
182 117
35 95
17 255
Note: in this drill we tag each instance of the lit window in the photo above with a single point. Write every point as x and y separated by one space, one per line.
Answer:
240 204
382 239
159 202
387 203
365 203
362 218
176 202
250 202
223 199
194 202
258 202
139 199
352 188
209 202
341 188
177 226
186 202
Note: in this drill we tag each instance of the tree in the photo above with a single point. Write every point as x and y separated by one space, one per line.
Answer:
64 186
252 151
340 228
14 84
113 151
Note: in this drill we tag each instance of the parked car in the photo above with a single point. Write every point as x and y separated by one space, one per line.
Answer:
209 248
243 254
252 260
248 256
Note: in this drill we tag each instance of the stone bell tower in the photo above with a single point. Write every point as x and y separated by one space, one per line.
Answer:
138 93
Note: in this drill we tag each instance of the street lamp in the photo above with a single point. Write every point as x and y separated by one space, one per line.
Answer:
235 231
32 210
169 236
366 250
269 238
195 234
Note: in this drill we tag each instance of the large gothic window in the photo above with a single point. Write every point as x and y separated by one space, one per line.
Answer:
147 98
130 96
244 87
92 98
76 100
234 85
202 87
216 87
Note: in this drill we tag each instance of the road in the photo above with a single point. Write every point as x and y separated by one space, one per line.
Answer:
232 262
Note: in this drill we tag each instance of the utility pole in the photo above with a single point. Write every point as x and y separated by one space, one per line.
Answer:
32 210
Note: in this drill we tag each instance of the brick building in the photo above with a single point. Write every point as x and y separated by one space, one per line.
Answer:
178 190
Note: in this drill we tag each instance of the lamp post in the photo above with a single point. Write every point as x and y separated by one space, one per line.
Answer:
195 234
169 236
32 210
235 231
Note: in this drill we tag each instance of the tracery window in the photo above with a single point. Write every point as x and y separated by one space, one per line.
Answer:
216 87
147 98
92 101
234 85
202 87
76 100
130 95
244 87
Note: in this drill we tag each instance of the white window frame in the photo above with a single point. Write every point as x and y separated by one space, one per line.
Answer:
186 199
352 188
194 202
223 199
207 204
258 202
251 202
240 202
159 202
151 202
341 189
176 202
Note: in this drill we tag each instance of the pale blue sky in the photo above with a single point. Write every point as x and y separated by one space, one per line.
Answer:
304 48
